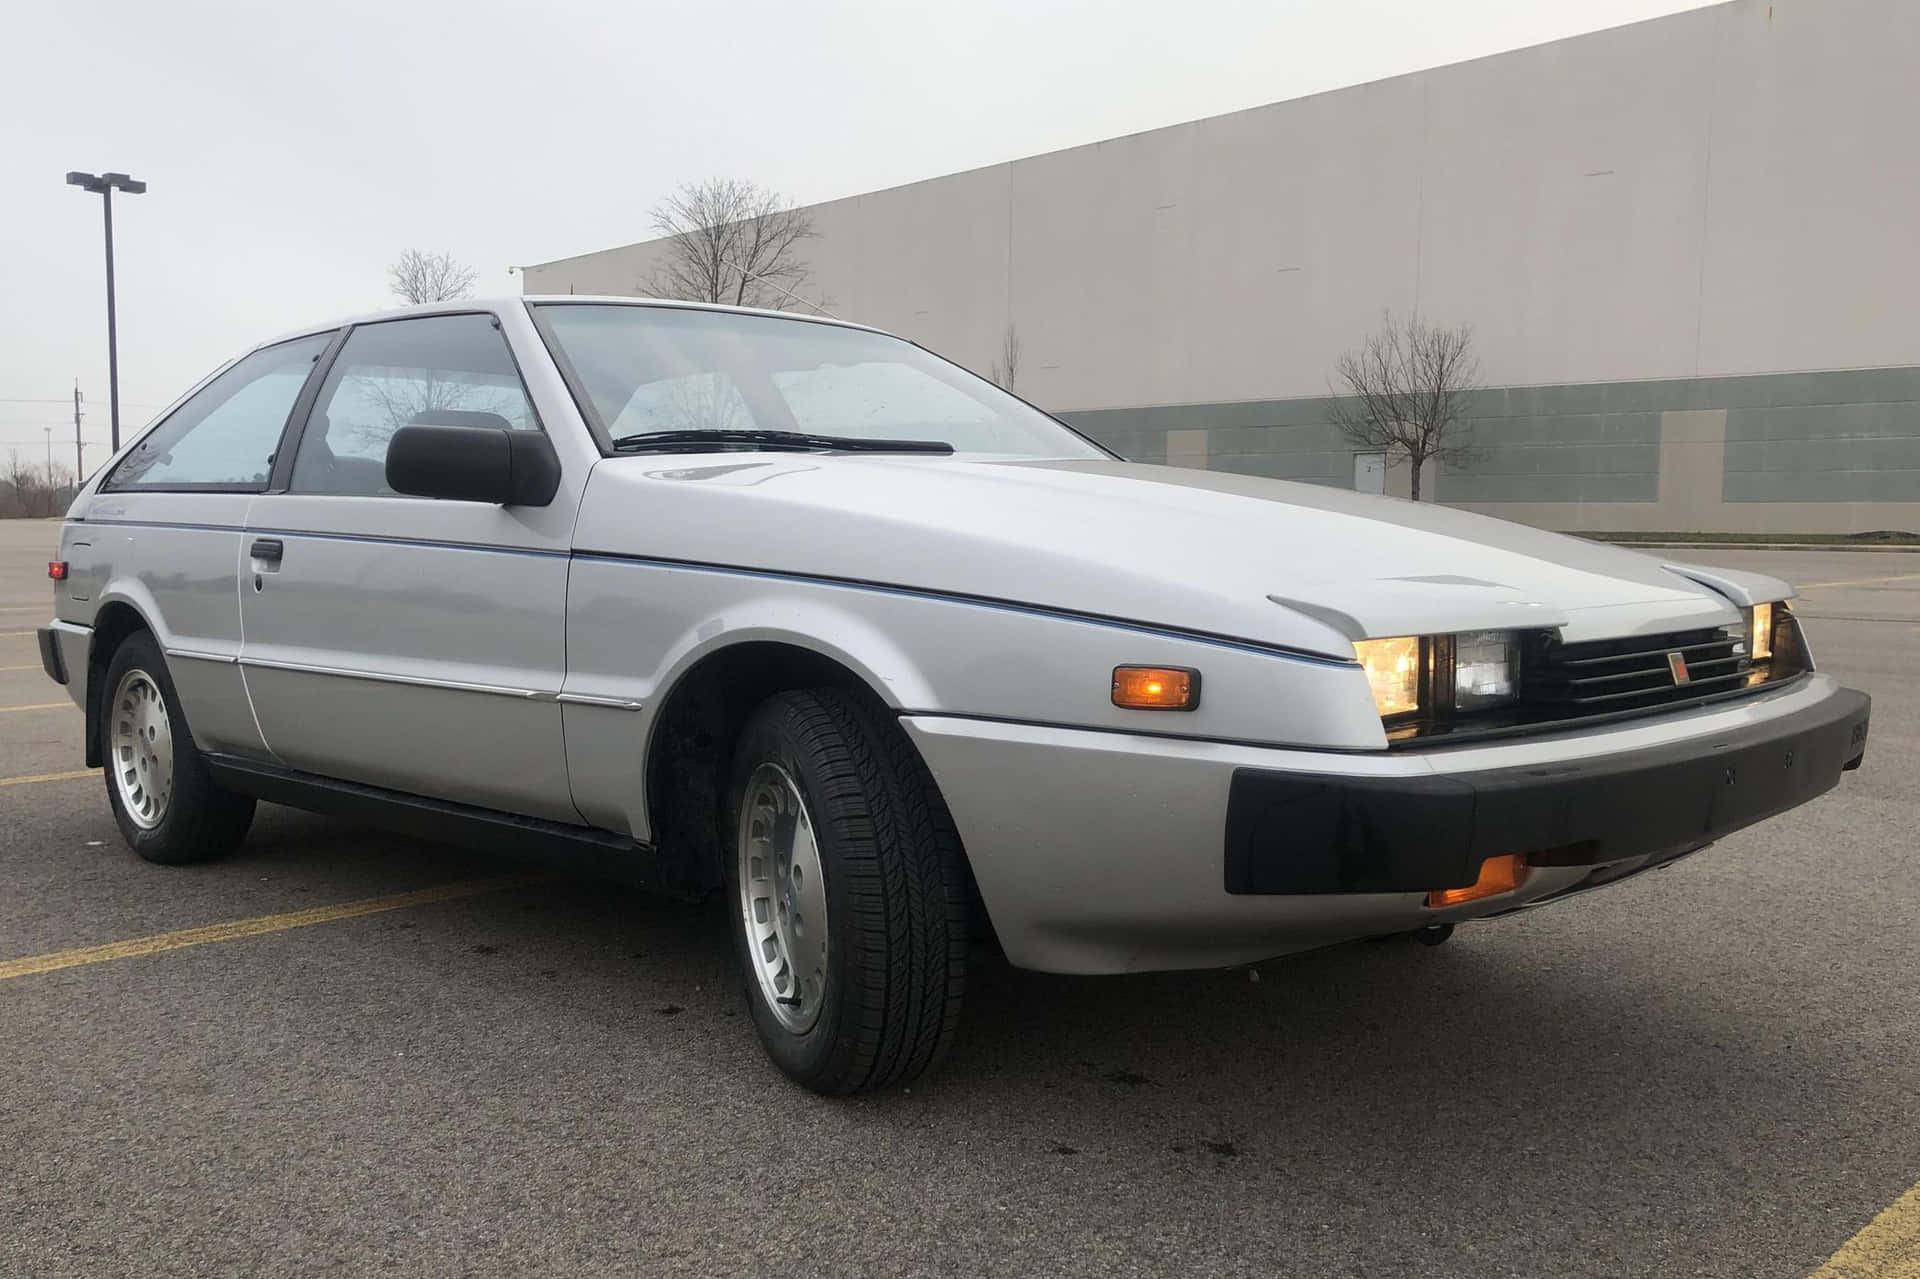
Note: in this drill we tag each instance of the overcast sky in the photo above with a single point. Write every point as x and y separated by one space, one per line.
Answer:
294 150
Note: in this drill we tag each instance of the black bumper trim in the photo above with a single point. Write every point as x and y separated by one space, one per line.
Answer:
1304 833
50 659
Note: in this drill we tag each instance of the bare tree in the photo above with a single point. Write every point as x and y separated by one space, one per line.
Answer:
430 277
1006 369
60 488
733 241
1403 391
15 479
401 400
391 403
28 495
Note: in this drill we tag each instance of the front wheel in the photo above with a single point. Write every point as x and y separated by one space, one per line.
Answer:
849 892
168 808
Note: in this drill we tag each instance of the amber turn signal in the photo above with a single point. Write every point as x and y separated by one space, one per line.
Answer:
1156 688
1497 875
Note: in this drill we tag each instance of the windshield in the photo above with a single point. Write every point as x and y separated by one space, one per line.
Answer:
650 369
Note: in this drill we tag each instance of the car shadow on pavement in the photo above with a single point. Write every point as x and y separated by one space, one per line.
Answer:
1555 1076
1519 1049
1513 1033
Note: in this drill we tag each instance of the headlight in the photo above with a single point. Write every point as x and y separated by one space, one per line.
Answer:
1769 635
1765 631
1393 669
1486 669
1471 671
1760 632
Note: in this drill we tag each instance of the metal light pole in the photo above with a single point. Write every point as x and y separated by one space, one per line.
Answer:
105 184
79 458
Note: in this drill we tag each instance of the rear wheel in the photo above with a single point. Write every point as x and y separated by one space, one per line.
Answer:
168 807
849 894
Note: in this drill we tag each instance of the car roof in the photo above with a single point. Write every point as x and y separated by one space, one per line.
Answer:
468 306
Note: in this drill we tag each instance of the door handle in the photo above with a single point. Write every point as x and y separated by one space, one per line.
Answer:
269 549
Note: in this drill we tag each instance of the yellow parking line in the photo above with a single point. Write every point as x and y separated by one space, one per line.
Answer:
49 777
235 929
1860 581
30 666
4 634
37 706
1888 1247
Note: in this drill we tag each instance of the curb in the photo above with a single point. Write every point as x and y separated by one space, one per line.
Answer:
1763 546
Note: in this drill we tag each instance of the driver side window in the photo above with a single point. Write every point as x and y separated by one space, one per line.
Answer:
450 370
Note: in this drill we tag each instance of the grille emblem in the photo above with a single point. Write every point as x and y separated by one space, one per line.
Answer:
1677 666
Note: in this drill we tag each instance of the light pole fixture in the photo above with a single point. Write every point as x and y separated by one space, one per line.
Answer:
104 185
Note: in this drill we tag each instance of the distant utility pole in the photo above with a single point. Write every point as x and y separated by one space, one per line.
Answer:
79 463
49 431
104 185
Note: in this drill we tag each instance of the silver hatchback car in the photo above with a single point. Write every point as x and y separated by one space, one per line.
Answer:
794 611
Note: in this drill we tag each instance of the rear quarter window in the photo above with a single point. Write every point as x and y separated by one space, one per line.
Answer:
225 436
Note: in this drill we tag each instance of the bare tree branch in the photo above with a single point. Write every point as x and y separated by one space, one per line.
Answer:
732 241
1006 369
430 277
20 483
1404 389
33 492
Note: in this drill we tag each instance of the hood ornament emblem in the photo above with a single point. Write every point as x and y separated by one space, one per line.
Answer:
1677 667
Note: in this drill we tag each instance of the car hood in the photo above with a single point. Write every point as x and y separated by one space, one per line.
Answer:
1296 565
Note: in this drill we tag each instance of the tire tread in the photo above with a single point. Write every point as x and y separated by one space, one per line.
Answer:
203 821
904 872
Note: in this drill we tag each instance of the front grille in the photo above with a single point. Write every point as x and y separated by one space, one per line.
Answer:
1598 677
1563 683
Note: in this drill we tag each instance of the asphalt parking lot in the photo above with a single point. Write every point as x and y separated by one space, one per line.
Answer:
1709 1070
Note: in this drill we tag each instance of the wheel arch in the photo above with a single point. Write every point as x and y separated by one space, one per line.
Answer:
115 619
690 742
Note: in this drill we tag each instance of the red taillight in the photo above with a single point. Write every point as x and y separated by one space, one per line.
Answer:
57 570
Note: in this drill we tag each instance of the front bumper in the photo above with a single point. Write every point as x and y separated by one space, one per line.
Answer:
1308 833
1101 852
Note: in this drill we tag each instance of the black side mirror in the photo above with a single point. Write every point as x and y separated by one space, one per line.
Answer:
473 464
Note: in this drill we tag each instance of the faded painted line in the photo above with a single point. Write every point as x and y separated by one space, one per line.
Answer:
30 666
235 929
49 777
1888 1247
1860 581
5 634
37 706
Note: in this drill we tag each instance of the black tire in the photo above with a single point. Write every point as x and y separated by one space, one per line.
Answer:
201 821
896 893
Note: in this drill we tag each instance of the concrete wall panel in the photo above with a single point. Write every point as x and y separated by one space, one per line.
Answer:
1683 245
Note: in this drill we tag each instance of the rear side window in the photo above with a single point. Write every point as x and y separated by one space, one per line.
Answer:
225 436
450 370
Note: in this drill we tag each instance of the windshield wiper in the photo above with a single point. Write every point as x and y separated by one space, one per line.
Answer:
675 440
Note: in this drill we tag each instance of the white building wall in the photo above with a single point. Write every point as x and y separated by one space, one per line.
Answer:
1727 190
1724 192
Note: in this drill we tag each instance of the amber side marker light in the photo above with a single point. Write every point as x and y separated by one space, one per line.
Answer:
1156 688
57 570
1497 875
